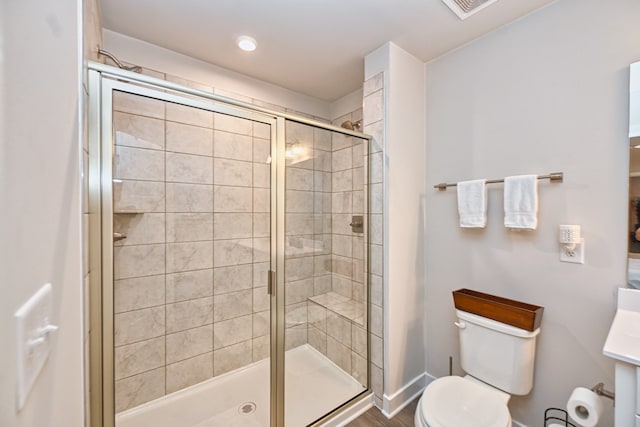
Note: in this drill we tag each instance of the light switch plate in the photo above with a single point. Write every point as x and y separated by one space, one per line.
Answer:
33 340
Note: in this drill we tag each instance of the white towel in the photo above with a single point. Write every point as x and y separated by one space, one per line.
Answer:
521 202
472 203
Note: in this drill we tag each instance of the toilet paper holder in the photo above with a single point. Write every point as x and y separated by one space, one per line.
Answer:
601 391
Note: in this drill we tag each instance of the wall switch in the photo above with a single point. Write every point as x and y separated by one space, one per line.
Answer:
33 340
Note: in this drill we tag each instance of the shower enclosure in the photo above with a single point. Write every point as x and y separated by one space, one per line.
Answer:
229 260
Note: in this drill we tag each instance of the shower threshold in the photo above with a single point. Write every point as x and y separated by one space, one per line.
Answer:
313 386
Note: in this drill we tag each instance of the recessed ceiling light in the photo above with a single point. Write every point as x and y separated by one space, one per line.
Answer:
246 43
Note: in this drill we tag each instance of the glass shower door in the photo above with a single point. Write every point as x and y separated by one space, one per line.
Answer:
325 281
191 226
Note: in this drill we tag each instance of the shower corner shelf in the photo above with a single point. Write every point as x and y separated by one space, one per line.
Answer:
128 212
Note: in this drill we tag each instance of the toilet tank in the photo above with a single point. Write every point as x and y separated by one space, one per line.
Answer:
498 354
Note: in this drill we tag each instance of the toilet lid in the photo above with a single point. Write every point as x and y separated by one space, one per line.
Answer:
456 402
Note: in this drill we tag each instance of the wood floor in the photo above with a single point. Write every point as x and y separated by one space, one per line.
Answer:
374 418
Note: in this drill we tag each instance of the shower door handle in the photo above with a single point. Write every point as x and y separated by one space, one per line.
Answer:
271 283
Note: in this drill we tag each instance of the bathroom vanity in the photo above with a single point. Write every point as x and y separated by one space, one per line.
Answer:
623 344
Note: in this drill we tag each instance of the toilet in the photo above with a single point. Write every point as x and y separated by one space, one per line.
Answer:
498 359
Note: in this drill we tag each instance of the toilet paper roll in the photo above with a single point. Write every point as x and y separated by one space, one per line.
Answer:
585 407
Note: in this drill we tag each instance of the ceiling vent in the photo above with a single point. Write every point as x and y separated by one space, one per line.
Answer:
466 8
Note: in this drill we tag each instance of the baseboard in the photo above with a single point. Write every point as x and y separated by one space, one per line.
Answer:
351 413
394 403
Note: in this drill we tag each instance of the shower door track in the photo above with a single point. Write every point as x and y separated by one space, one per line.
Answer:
103 79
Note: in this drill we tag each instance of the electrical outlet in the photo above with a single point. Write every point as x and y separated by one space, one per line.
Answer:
575 256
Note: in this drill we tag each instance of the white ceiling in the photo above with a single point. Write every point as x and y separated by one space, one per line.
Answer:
315 47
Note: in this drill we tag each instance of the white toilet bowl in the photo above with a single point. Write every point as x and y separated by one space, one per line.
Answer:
462 402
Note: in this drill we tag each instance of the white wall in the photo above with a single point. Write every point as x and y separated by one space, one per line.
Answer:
404 238
225 82
40 201
546 93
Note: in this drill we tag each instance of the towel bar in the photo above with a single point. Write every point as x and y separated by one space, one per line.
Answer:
553 177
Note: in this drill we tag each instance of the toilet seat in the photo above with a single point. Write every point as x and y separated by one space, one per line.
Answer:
458 402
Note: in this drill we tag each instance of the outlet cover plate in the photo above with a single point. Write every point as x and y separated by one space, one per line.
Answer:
578 254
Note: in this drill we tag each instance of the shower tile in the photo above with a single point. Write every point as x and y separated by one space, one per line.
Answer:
230 279
261 323
232 252
188 168
231 305
189 372
138 261
373 84
376 199
342 286
358 271
138 357
188 83
342 159
376 380
260 270
138 131
342 266
358 154
261 200
189 343
261 249
189 256
233 146
261 299
138 164
322 181
376 168
359 340
322 265
232 225
261 150
261 130
299 179
189 198
232 199
189 115
317 316
261 175
340 141
138 389
232 172
322 161
375 232
359 368
342 181
232 331
232 357
298 224
339 328
188 139
342 245
295 337
233 124
375 283
342 202
142 292
261 225
358 179
189 285
261 348
376 257
144 196
322 223
317 339
358 202
298 133
298 268
136 104
358 248
139 229
138 325
189 314
298 291
376 320
321 285
321 139
322 202
373 107
299 201
189 227
339 354
376 350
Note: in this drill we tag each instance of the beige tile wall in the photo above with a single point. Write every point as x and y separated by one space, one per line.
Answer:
190 278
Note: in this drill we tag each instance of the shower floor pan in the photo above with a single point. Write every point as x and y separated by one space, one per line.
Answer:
313 386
